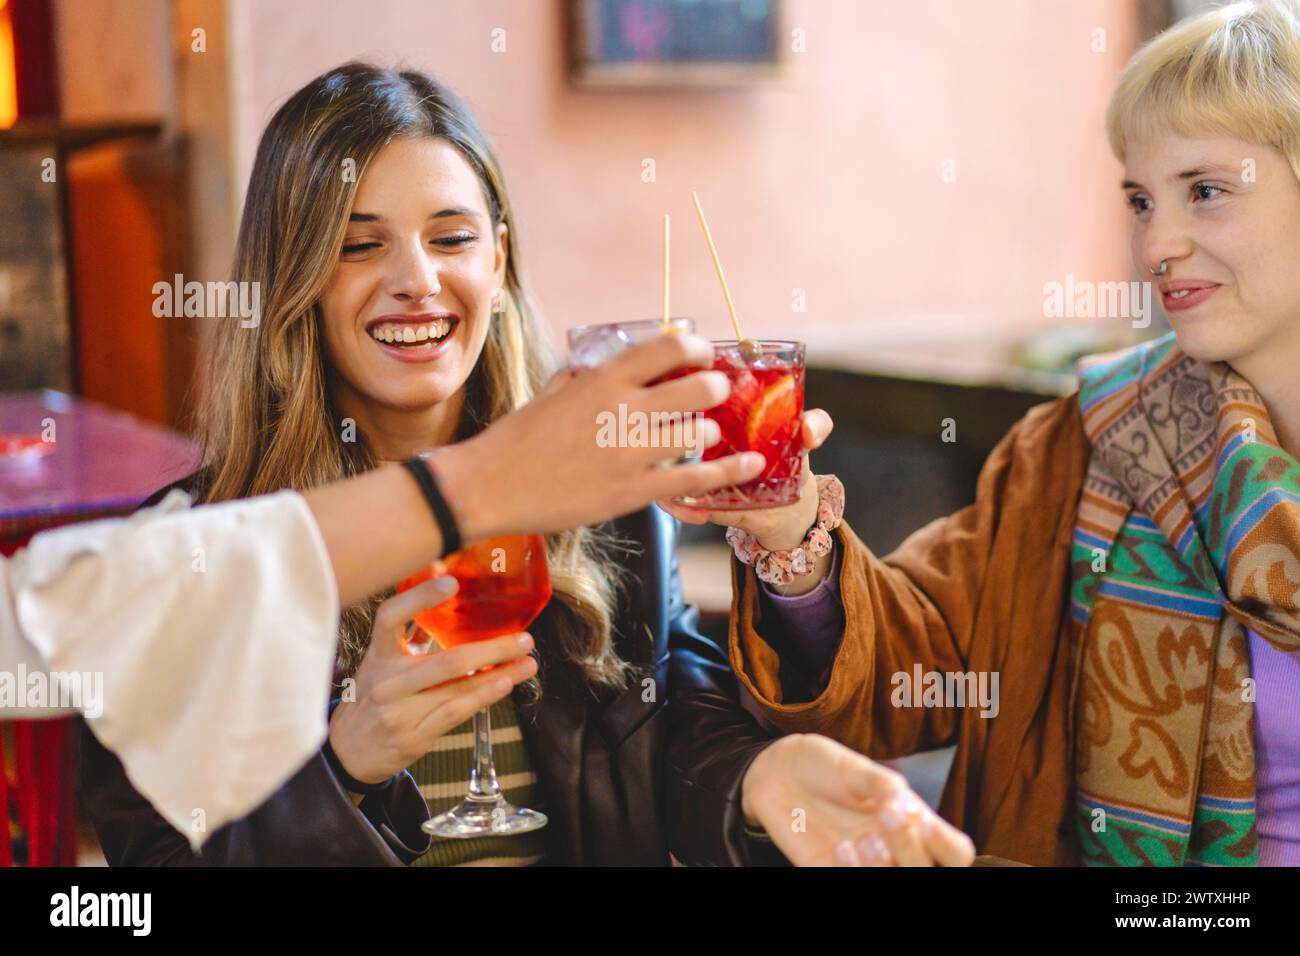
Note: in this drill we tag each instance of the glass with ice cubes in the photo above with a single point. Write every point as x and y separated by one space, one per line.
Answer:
590 345
763 413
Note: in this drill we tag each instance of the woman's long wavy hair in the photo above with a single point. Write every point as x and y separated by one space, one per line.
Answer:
268 421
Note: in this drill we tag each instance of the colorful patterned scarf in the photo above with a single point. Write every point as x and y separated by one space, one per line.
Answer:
1188 534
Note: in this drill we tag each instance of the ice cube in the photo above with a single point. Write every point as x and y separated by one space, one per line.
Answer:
744 390
597 344
733 359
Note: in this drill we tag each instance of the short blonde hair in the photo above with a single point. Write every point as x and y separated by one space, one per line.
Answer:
1233 71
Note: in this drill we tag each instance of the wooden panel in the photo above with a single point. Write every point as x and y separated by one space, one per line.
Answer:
35 65
128 230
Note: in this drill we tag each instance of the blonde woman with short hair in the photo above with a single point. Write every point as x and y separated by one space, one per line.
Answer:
1130 568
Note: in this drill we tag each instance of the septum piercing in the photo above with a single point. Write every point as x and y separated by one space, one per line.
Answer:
1164 267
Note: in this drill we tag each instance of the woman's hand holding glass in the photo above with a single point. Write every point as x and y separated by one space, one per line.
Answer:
407 696
778 529
560 475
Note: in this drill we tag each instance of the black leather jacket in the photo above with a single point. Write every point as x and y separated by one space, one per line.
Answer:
625 780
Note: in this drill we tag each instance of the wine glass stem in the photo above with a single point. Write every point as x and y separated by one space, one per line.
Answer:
483 778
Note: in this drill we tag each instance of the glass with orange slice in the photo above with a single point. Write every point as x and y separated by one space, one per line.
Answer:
763 413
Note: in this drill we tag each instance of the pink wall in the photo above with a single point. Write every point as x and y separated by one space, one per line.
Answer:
830 182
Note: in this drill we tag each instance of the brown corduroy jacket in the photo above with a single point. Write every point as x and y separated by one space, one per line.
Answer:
983 590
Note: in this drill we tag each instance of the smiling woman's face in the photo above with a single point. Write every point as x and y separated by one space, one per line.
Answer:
1225 215
407 308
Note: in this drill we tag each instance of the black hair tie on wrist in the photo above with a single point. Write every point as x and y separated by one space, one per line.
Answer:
422 471
349 782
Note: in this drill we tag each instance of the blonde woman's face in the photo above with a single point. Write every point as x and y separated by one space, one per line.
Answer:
407 308
1225 215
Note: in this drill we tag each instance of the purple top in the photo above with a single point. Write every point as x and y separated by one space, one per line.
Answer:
807 630
1277 751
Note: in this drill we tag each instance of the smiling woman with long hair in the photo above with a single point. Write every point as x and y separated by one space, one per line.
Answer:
396 319
1131 565
312 394
319 390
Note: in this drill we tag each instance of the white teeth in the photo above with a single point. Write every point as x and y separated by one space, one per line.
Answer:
431 331
1179 294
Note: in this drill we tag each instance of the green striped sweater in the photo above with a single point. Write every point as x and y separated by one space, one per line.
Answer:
443 778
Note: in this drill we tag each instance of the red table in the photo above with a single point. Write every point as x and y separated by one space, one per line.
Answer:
104 463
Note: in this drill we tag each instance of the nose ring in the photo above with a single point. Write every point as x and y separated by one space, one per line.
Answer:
1164 267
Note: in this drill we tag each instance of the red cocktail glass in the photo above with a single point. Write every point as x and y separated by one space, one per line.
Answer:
763 414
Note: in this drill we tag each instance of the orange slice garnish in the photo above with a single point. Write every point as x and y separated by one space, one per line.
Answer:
773 411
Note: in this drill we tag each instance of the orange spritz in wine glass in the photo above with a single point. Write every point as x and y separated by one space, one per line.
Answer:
503 585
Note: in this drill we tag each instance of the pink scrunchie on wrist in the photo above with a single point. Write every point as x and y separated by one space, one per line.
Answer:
782 567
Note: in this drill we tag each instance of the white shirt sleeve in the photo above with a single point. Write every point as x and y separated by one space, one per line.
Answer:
200 645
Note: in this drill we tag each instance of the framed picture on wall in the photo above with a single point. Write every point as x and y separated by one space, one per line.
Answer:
643 43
